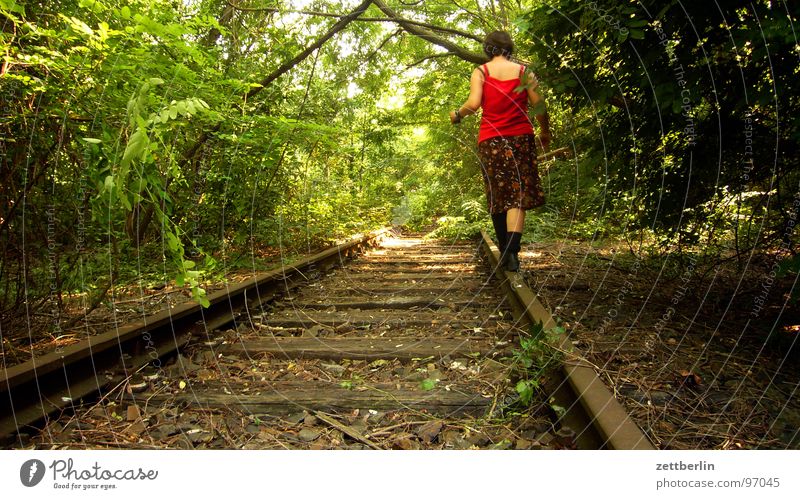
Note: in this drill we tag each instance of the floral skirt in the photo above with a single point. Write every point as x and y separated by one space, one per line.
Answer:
510 173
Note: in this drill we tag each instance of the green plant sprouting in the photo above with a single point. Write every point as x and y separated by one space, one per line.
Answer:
534 358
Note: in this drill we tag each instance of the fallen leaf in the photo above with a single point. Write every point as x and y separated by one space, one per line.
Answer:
429 431
133 413
689 379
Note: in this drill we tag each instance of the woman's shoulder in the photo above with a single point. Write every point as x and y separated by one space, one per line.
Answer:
506 69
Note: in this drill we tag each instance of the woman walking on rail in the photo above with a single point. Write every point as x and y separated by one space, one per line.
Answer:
506 146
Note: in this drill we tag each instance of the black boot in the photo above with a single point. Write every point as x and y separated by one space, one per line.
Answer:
511 259
500 229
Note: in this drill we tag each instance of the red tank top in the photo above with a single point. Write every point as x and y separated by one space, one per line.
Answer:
505 112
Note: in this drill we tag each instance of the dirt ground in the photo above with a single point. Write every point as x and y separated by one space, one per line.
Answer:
685 345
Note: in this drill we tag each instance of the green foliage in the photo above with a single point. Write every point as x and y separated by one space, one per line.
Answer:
686 100
428 384
467 224
140 139
354 382
534 358
135 117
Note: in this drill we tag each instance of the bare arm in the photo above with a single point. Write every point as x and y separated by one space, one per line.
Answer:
473 102
540 110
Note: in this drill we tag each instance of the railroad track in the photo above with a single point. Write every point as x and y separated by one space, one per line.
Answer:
407 346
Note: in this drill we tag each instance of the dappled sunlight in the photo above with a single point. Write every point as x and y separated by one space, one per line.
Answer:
396 242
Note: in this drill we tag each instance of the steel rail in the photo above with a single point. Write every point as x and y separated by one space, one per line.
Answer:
33 390
599 419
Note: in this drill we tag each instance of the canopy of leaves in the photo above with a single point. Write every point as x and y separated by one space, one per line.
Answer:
155 137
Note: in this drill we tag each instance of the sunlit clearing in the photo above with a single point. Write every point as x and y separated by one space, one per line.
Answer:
391 242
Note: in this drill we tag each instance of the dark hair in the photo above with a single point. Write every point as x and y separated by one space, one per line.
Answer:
498 43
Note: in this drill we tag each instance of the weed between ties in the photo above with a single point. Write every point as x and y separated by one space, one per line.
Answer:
534 361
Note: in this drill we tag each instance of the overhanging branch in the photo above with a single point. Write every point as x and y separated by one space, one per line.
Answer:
277 73
429 35
286 66
429 57
390 19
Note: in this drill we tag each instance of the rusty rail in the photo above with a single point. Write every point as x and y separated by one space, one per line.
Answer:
31 391
603 419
